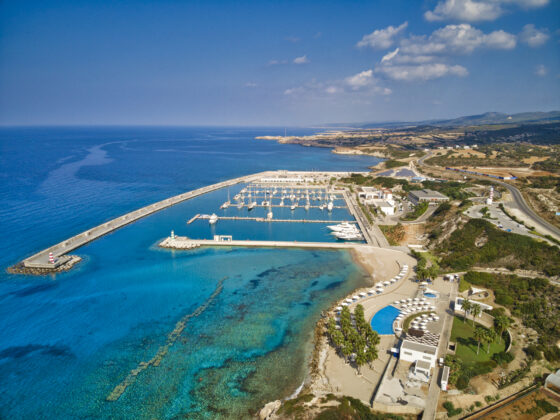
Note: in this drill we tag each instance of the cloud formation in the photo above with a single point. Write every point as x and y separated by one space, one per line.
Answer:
382 38
457 39
301 60
421 72
477 10
532 36
390 55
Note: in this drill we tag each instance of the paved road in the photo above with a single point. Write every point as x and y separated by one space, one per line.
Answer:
520 203
434 390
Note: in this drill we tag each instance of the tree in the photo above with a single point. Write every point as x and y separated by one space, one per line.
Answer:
501 323
467 306
475 310
489 337
479 335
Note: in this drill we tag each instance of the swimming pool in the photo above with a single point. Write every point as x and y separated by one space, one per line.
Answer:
430 295
382 321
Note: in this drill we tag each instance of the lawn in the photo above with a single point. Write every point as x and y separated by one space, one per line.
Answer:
462 334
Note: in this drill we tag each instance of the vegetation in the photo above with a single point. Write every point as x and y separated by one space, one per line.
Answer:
394 234
452 189
535 301
391 163
355 341
468 361
383 182
478 242
514 376
352 408
451 410
425 269
419 210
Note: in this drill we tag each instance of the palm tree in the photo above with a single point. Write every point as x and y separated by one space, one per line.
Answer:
476 310
489 337
467 306
479 334
501 323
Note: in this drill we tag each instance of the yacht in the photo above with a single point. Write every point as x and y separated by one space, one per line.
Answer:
213 219
341 227
330 206
251 205
293 206
269 215
346 236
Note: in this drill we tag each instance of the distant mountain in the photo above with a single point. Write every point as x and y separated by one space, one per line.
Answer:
488 118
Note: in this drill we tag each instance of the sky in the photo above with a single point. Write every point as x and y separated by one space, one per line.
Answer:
275 63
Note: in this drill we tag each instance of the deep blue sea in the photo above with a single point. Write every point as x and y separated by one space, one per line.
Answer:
68 340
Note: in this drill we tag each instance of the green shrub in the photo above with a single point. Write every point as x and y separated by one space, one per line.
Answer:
502 358
451 410
546 406
533 352
462 382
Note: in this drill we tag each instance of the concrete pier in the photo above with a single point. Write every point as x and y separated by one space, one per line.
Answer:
41 259
262 219
182 242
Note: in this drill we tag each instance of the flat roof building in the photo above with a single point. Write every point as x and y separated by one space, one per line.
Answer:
429 196
412 351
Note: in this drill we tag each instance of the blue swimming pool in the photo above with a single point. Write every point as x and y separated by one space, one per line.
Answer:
382 321
430 295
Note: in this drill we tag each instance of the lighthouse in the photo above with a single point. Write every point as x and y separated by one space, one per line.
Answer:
490 198
51 258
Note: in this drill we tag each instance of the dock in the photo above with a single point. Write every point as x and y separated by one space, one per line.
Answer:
40 260
192 219
262 219
182 242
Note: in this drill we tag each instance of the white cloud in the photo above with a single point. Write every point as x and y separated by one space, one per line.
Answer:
532 36
541 70
477 10
421 72
359 86
251 85
382 38
465 10
389 56
293 39
360 80
301 60
458 39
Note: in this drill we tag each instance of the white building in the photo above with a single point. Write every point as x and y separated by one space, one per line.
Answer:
444 378
382 199
483 306
412 351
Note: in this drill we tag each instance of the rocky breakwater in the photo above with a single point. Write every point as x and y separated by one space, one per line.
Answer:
64 263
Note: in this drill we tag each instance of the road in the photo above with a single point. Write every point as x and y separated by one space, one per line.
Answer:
538 222
434 389
522 205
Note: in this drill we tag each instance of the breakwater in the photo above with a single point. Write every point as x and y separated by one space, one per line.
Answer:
39 262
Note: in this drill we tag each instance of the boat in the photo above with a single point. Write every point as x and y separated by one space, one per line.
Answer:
240 204
342 226
213 219
307 206
330 206
281 204
293 206
346 236
269 215
227 203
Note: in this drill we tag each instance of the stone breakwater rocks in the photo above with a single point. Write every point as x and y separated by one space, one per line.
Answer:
20 268
179 242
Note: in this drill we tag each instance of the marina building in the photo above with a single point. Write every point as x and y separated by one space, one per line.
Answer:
429 196
382 199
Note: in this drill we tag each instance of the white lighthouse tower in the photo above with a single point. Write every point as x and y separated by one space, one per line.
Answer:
490 198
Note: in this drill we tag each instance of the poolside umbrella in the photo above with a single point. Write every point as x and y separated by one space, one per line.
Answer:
424 283
403 300
416 299
396 302
349 300
362 294
339 308
355 297
409 300
344 304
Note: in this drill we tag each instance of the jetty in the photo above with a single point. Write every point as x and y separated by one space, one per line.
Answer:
263 219
182 242
54 258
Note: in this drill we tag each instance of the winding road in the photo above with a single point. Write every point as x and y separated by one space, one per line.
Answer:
519 202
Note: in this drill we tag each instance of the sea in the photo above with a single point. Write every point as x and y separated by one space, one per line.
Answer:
233 326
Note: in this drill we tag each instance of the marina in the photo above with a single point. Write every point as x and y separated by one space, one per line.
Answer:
266 190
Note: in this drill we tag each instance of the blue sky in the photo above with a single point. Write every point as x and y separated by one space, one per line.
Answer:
274 63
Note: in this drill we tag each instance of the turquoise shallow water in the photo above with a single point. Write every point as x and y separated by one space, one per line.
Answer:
68 339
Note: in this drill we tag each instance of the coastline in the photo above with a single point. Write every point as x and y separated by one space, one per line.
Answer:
318 380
